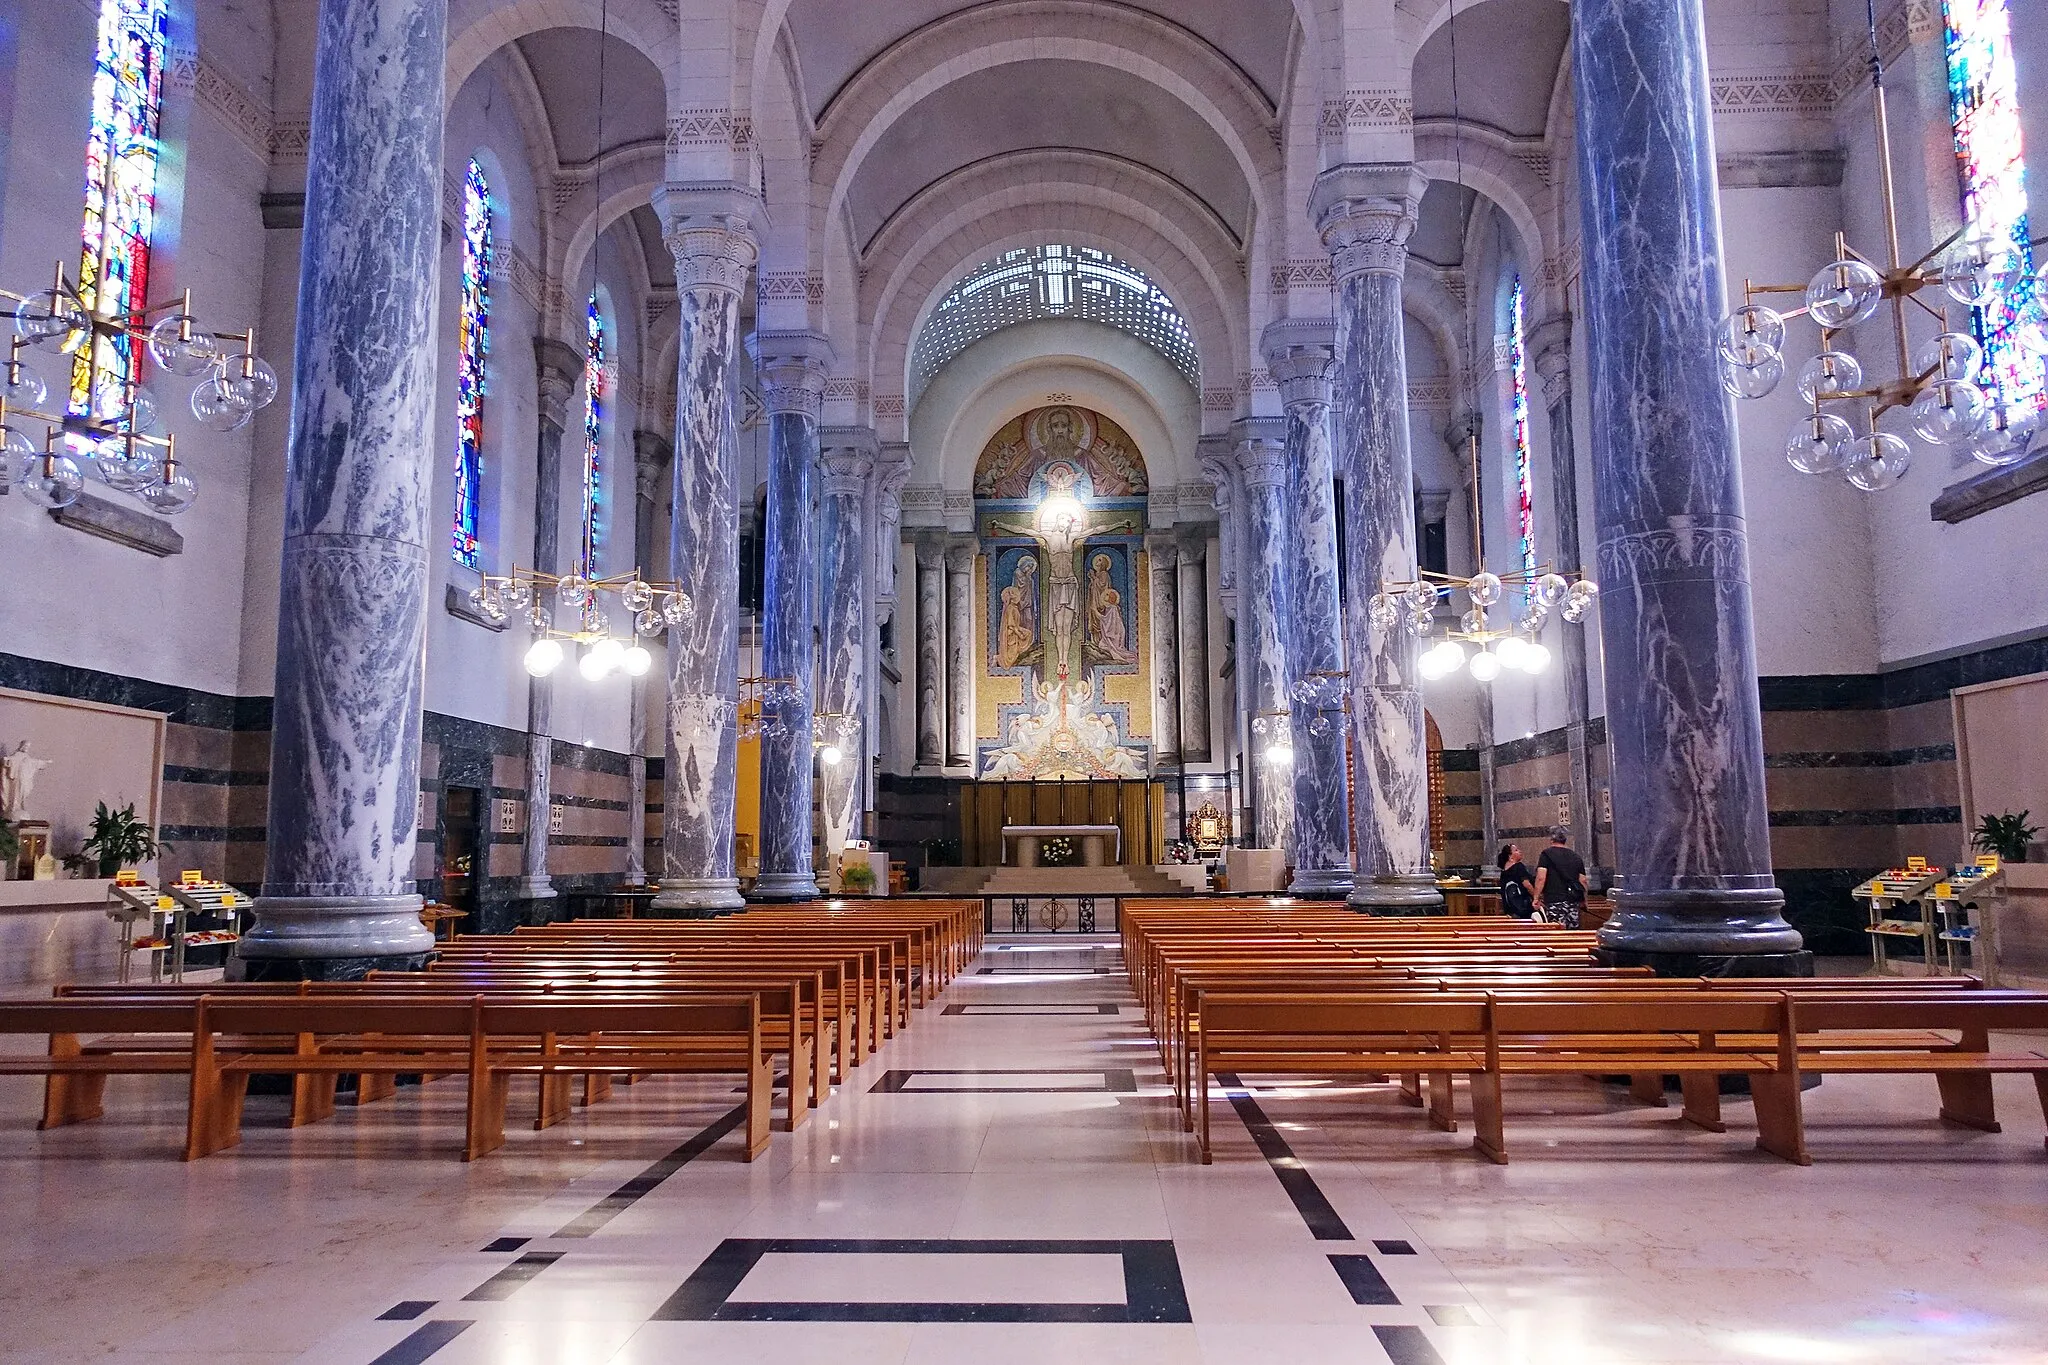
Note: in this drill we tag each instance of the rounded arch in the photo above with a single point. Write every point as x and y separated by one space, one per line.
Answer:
630 179
1514 173
477 28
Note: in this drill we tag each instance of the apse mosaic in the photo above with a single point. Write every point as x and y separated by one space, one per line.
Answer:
1060 507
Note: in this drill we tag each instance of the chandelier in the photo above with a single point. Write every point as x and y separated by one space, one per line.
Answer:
771 708
1501 642
1940 384
653 607
120 430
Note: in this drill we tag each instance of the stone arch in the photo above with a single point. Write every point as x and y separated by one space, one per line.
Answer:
477 28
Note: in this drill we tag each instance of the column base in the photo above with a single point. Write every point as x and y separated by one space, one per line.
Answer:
322 968
539 888
1404 893
1709 964
1705 923
697 898
1321 884
344 928
782 886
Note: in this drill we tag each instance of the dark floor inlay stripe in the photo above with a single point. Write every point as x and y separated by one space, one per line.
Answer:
1407 1346
405 1311
1115 1081
634 1190
1392 1246
508 1244
1032 1009
1452 1315
501 1285
1309 1201
1363 1279
426 1339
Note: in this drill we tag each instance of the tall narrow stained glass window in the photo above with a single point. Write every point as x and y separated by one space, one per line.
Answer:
120 192
1983 93
593 438
473 345
1525 502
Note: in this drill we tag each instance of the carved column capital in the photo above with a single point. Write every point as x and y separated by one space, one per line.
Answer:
1550 346
1301 355
559 368
847 457
793 368
1365 214
961 554
1163 551
709 229
931 552
651 453
1261 454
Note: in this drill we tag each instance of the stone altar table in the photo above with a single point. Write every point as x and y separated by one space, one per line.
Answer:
1021 843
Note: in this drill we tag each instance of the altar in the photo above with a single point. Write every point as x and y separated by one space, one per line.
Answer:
1023 845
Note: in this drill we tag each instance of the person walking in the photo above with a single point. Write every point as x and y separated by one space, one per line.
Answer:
1561 880
1516 896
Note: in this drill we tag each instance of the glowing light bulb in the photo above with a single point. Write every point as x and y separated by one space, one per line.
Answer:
831 755
637 661
544 658
1485 665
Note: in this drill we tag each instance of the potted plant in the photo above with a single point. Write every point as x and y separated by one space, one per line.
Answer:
118 838
2006 835
10 848
857 878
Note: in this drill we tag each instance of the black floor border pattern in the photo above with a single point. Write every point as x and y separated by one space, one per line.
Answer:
633 1191
1310 1202
1153 1289
1043 971
423 1341
1115 1081
1030 1009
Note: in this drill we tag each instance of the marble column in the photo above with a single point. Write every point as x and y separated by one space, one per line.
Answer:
931 653
338 888
792 368
1192 628
651 454
848 640
1301 355
1264 604
1162 561
960 557
558 368
1684 729
1365 214
710 232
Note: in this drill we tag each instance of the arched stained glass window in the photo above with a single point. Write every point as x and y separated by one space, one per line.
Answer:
1518 416
120 192
1983 92
1049 282
593 438
473 345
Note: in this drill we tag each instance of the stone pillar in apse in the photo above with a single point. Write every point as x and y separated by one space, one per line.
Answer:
931 653
651 454
847 638
1263 606
960 557
1163 561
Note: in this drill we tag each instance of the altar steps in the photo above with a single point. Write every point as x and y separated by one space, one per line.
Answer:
1056 881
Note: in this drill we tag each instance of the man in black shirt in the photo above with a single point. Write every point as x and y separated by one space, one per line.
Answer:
1561 880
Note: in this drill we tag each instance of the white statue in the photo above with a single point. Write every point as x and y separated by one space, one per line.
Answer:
18 772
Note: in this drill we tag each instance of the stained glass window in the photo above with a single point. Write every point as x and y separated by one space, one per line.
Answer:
474 343
120 191
1983 92
593 437
1525 503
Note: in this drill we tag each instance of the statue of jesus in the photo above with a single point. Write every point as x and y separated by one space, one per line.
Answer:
1062 526
17 779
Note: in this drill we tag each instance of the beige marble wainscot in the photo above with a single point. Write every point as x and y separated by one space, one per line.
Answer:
55 931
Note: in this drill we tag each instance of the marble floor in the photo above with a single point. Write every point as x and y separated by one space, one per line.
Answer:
1008 1182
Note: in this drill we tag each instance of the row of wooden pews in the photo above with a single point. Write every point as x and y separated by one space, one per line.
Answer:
812 989
1301 989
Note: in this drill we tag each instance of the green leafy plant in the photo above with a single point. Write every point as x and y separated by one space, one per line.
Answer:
10 842
858 878
2006 835
941 852
119 838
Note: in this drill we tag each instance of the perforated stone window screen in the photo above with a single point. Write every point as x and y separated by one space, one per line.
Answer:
1053 281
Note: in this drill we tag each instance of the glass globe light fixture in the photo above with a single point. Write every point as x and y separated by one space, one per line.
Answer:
50 481
1750 334
648 622
518 596
1472 622
1579 600
257 388
1819 444
1513 652
181 348
1421 598
636 660
2006 436
1843 293
611 651
1982 265
1951 355
1280 753
540 618
1536 617
128 468
52 321
1382 611
1484 589
173 493
1431 666
1753 381
1829 374
677 609
1551 588
592 618
1878 461
1319 725
1420 623
593 666
494 604
129 409
573 591
1485 665
218 409
831 755
544 657
636 596
21 386
1536 658
1948 411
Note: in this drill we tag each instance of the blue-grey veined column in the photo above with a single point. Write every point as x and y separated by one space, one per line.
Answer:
1264 602
557 366
1191 632
651 454
1365 214
792 368
338 887
849 459
1302 357
709 230
1685 734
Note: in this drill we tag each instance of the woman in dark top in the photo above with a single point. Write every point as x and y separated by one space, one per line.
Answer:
1561 881
1517 896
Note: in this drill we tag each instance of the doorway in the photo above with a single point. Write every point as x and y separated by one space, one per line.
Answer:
460 827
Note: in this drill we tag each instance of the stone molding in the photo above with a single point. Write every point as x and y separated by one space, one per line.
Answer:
1313 273
1301 355
709 228
1780 170
960 556
558 367
1716 552
1365 213
792 285
793 368
1261 451
1375 110
208 86
846 459
1429 393
713 127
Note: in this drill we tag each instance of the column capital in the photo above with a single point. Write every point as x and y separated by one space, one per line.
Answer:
1164 551
961 554
1550 346
931 550
847 457
709 228
558 366
1194 543
1301 355
1261 454
892 470
651 454
1365 213
1213 454
792 367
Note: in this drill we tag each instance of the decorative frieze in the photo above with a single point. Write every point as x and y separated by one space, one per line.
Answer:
1367 110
